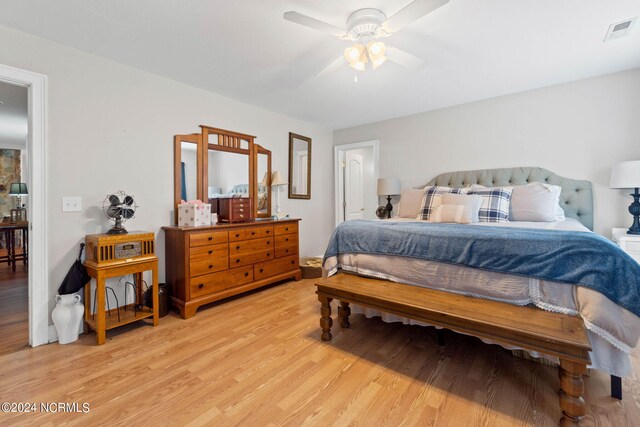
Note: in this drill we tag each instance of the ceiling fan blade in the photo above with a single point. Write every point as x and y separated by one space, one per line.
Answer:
310 22
411 12
333 66
404 58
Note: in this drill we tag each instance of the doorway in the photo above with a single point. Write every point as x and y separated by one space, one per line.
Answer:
356 174
33 175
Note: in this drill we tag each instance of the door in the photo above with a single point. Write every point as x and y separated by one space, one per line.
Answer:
354 191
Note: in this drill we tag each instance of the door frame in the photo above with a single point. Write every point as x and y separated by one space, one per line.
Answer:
339 157
37 214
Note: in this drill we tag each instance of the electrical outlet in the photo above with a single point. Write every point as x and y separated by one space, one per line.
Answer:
71 204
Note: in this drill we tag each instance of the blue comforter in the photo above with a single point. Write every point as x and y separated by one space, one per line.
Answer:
571 257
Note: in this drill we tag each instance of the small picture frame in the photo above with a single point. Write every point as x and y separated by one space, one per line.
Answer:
18 215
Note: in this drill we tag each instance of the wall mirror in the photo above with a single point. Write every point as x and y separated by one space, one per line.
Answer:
228 165
299 166
187 169
263 185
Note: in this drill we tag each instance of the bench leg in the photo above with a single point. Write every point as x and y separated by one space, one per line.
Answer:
343 314
325 321
616 387
571 392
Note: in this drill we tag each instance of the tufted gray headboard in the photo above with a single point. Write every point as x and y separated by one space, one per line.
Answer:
576 198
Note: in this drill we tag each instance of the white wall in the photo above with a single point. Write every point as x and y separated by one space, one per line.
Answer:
111 127
577 130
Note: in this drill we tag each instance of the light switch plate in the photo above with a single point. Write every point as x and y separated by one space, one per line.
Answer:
71 204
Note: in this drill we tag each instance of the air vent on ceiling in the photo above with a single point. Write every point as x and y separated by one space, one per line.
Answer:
620 29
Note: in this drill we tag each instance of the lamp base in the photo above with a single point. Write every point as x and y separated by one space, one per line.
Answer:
634 209
389 207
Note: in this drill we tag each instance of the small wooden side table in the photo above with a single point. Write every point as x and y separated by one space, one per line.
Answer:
102 272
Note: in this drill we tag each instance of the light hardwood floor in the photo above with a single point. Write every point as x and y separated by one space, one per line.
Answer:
258 360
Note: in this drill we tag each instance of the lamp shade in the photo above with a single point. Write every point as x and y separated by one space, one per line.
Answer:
265 179
18 189
388 186
277 179
623 175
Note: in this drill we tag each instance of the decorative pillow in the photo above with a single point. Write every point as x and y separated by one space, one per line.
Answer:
495 203
459 208
429 198
410 203
536 201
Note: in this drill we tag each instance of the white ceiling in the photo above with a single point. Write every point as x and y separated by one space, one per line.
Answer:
13 116
246 50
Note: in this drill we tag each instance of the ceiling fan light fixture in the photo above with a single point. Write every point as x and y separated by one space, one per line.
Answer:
353 53
376 49
375 63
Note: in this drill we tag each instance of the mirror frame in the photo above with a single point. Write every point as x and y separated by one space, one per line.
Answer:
228 141
194 138
261 150
293 195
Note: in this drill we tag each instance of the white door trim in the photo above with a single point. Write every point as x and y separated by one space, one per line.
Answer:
37 213
338 156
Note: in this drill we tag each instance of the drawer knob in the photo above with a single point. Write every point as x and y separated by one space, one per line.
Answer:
268 253
253 233
210 252
210 238
237 261
286 251
237 247
201 285
286 229
261 270
241 216
293 262
246 274
268 231
286 240
210 265
268 242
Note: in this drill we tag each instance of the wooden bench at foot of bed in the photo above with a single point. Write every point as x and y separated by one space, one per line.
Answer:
533 329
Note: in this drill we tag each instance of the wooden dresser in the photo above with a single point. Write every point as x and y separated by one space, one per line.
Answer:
206 264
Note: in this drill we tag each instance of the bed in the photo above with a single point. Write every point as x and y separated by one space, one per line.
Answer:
613 330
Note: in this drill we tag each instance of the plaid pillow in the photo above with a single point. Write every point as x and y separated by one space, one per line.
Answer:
429 199
495 203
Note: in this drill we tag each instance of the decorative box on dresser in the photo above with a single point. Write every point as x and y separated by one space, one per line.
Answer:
209 263
630 243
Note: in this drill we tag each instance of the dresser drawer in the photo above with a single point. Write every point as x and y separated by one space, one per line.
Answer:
259 232
291 227
286 251
240 203
286 240
210 251
201 266
277 266
250 246
209 283
237 235
238 260
208 238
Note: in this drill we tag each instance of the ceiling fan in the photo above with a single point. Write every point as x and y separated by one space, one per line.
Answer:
365 27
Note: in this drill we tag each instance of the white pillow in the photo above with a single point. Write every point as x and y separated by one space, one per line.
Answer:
459 208
536 201
410 203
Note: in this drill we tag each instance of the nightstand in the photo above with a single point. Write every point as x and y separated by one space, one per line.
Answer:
629 243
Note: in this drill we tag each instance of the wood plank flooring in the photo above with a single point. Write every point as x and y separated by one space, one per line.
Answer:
258 360
14 310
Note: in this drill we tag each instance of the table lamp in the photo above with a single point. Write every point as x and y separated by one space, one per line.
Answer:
18 189
277 181
627 175
388 187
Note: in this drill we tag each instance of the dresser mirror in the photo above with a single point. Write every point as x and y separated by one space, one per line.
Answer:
227 174
263 184
299 166
187 164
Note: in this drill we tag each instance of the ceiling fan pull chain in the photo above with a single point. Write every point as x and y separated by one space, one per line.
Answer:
355 76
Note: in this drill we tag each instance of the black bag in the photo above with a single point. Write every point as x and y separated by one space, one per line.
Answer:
76 278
